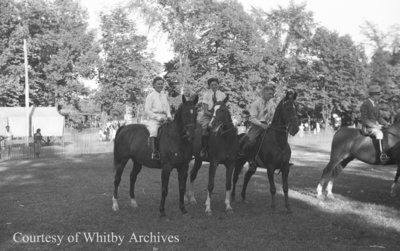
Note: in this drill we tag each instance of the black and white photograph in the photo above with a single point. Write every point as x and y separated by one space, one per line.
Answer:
168 125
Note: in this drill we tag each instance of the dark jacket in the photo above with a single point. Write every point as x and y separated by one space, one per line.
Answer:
370 116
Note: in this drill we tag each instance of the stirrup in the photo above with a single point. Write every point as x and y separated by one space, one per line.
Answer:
155 155
203 153
384 158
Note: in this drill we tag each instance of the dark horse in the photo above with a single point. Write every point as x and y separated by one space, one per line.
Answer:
131 142
349 144
223 148
273 150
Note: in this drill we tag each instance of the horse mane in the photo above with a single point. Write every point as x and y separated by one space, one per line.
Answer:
275 118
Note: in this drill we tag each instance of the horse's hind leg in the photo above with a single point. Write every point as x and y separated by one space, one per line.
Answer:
246 180
326 173
335 172
193 175
119 168
396 178
134 173
272 187
236 173
182 178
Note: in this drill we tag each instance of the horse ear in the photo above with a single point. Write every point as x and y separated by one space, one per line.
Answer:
184 99
196 99
295 96
226 99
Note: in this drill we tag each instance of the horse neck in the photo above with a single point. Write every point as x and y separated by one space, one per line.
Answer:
278 126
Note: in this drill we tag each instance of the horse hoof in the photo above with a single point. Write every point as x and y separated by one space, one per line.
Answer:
193 201
115 208
289 210
134 204
209 213
184 211
392 194
163 215
245 201
330 196
229 211
320 196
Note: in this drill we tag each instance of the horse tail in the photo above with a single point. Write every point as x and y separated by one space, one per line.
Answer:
115 144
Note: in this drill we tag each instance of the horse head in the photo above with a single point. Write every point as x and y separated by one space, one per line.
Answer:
289 112
186 117
221 116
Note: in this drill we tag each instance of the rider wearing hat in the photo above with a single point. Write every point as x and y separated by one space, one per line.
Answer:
371 120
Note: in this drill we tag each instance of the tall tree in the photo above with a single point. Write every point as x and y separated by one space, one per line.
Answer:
126 68
60 51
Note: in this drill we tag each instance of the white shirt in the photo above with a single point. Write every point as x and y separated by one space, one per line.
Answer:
208 97
157 105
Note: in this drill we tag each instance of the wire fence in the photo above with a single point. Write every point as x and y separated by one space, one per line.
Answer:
88 141
74 142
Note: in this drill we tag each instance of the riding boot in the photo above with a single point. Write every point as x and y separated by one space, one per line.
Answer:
154 147
204 147
383 157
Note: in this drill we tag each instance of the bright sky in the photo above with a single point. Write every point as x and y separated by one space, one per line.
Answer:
343 16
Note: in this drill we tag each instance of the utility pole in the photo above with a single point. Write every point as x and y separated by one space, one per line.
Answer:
26 93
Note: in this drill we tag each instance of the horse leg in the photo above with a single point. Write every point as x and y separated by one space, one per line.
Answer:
193 175
211 176
134 173
182 177
272 188
285 186
228 186
246 180
237 170
396 178
119 168
325 174
165 173
334 173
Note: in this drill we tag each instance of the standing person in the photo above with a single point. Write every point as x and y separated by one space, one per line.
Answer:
371 120
8 140
261 114
158 111
37 142
212 95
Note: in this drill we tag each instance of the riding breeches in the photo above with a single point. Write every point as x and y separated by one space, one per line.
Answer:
204 120
377 133
153 125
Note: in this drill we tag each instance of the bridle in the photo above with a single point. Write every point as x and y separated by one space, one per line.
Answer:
219 128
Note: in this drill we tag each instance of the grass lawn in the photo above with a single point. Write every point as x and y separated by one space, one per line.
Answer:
70 195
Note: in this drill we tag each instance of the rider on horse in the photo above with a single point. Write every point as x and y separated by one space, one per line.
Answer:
158 111
210 97
371 120
261 113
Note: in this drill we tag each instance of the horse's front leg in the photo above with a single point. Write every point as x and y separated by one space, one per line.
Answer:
272 187
134 173
165 173
211 176
182 177
396 178
285 185
228 185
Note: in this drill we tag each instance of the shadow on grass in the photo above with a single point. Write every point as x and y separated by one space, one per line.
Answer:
73 194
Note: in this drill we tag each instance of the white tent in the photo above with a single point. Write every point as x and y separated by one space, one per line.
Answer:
16 118
48 120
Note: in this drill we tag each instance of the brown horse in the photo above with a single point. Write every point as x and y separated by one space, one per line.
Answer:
349 144
273 149
223 148
131 142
